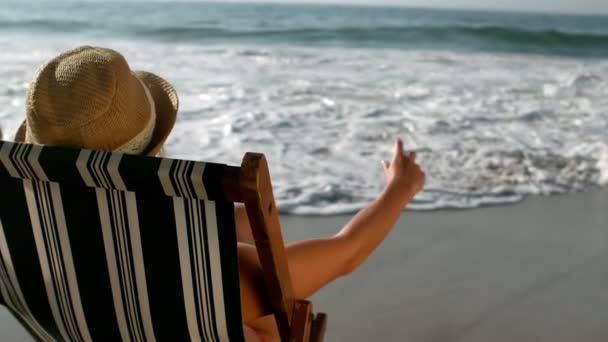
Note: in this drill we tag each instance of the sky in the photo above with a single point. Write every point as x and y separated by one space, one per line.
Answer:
551 6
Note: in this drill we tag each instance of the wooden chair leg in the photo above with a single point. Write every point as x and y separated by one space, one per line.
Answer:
301 321
307 327
319 324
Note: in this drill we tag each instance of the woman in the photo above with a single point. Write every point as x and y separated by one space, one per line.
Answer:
89 98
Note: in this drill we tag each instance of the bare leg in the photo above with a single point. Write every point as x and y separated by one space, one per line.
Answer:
243 230
266 326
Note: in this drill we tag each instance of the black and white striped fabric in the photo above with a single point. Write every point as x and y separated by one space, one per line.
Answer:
98 246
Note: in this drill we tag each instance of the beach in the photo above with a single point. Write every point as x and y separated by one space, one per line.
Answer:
507 111
532 271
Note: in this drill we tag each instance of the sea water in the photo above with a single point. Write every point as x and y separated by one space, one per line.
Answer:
499 105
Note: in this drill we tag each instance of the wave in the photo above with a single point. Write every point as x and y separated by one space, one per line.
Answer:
492 38
45 25
325 117
460 37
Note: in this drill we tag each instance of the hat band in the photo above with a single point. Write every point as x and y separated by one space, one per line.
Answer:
139 143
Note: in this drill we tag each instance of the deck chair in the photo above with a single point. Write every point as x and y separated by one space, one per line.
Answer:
98 246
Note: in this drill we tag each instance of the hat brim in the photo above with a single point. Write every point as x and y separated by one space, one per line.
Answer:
165 101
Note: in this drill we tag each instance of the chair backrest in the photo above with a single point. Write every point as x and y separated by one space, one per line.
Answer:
98 246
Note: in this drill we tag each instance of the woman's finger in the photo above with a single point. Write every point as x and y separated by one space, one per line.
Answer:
413 156
398 146
398 153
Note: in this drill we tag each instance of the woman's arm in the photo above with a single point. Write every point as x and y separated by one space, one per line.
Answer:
314 263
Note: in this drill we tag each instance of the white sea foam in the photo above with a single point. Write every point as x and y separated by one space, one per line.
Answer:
490 129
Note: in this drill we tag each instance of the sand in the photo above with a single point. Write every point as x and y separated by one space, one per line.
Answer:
534 271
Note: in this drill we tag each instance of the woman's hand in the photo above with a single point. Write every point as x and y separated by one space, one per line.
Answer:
403 175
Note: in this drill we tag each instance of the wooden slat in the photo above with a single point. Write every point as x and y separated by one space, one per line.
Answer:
301 322
256 189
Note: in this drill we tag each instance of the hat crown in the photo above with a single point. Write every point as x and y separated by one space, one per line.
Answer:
87 98
76 87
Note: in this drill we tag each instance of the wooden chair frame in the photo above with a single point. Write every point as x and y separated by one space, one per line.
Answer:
250 184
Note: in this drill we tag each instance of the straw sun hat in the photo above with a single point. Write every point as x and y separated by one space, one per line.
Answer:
89 98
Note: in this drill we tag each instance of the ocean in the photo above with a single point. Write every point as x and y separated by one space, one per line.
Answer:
499 105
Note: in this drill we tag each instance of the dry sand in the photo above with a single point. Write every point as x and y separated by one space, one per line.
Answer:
535 271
